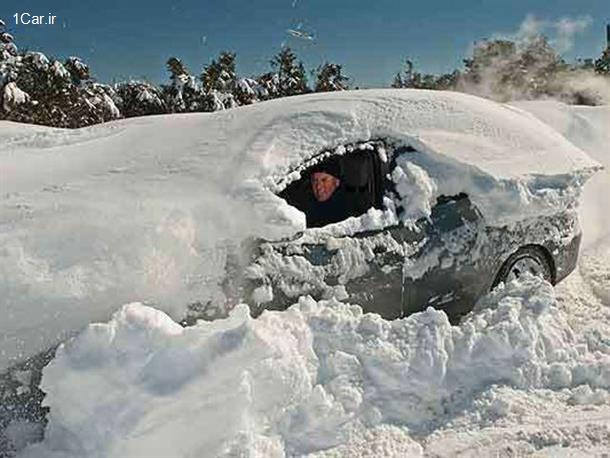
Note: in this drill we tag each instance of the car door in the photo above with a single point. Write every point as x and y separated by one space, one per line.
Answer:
447 272
365 268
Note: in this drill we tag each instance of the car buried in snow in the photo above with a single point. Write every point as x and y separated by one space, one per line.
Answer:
436 219
443 254
445 196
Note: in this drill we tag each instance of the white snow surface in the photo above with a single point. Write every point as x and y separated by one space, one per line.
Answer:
527 374
297 382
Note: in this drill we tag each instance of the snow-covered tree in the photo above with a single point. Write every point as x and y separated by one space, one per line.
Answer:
103 102
39 90
403 79
184 93
139 98
219 75
292 79
329 77
247 91
7 47
176 68
13 98
11 95
79 71
268 86
219 82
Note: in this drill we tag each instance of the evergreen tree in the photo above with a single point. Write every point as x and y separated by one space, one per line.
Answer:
268 86
447 81
397 82
486 55
39 90
139 98
7 47
291 73
183 93
410 78
329 77
246 91
79 71
403 80
172 93
176 68
220 83
219 75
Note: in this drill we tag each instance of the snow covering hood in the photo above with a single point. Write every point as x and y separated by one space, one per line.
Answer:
135 210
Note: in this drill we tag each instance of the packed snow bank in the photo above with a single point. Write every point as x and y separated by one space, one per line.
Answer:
151 209
320 376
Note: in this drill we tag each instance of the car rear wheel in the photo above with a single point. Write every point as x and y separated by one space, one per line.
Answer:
528 259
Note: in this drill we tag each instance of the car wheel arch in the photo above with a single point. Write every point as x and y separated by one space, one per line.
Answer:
543 251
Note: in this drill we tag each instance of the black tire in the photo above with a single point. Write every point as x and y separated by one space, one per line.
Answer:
533 255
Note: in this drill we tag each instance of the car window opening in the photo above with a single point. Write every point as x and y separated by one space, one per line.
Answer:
338 188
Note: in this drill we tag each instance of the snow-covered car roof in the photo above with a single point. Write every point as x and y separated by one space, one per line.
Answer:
500 140
273 137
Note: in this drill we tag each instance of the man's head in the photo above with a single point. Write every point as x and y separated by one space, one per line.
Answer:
325 180
324 185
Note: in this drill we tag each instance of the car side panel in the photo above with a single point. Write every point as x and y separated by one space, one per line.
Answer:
559 235
451 269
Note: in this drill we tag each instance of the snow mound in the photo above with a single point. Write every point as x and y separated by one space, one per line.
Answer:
319 378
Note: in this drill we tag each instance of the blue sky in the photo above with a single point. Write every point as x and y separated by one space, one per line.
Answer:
123 39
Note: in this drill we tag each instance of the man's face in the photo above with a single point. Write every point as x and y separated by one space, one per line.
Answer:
324 185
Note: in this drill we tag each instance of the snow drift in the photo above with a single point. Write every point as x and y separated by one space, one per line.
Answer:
300 381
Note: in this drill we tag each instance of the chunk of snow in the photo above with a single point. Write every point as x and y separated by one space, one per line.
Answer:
13 96
246 84
587 128
110 106
262 295
415 188
78 63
